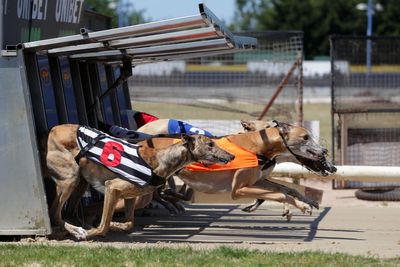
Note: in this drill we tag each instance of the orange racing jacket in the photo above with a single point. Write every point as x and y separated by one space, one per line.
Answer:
243 158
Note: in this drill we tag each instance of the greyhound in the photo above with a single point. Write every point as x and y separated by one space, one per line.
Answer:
280 143
67 165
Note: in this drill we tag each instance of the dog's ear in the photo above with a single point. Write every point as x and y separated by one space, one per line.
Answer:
277 123
188 140
270 124
273 123
248 126
284 128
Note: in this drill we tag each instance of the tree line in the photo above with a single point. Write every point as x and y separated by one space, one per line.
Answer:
317 19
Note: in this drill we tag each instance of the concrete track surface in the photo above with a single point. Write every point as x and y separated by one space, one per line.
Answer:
343 224
364 231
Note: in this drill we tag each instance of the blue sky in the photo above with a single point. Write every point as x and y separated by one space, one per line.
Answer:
166 9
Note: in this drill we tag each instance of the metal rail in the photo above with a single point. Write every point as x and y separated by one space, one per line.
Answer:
344 173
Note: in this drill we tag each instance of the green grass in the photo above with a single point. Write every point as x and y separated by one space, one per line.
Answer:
203 110
45 255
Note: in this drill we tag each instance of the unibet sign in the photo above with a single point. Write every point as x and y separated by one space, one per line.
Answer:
31 20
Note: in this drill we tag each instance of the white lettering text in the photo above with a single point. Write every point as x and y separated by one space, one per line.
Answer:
68 10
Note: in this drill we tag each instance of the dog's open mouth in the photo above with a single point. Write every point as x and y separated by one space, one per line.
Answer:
320 165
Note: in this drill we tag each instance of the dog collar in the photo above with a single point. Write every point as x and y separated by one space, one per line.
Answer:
265 162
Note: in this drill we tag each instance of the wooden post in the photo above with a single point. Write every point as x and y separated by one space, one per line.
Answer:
343 143
343 138
299 83
278 89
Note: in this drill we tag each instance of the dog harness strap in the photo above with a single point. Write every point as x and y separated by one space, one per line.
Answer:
265 162
181 127
86 148
156 180
288 148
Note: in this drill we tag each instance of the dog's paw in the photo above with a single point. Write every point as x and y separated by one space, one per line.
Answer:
180 207
313 204
307 209
248 209
80 233
121 227
288 214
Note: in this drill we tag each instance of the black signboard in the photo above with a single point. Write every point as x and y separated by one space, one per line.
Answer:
31 20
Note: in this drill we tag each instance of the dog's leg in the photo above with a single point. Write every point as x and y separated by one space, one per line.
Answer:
166 204
74 203
64 190
284 187
246 184
65 173
127 226
130 207
291 192
287 212
111 195
253 206
259 190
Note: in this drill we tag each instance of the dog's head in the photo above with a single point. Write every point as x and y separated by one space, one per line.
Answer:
303 148
205 150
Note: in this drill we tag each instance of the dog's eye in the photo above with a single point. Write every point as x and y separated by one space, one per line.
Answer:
210 144
306 137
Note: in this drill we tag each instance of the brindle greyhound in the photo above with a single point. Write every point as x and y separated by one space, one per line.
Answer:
281 143
165 160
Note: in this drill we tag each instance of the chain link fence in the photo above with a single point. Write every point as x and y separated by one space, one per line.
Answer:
366 103
220 90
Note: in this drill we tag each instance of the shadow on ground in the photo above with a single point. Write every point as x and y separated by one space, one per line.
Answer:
227 224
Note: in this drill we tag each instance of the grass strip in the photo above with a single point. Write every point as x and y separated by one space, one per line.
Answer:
48 255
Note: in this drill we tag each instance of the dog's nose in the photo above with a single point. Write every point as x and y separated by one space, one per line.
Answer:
232 157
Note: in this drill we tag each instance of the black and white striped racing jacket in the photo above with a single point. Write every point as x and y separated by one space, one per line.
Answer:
117 155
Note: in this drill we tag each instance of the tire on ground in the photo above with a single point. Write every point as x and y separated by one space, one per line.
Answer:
379 195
